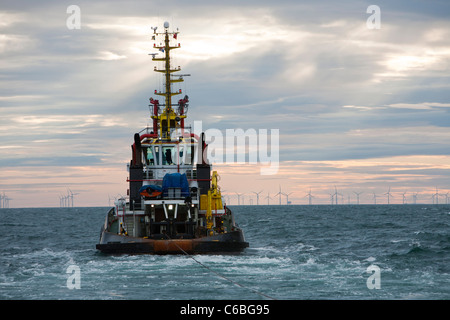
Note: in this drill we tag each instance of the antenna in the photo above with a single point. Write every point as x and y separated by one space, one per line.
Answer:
169 119
178 75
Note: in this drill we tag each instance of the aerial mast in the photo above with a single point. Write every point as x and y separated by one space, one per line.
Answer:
168 119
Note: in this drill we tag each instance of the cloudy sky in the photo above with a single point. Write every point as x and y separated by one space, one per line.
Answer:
358 108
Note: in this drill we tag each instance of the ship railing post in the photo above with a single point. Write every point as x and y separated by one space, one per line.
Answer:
165 210
134 220
209 222
176 211
189 210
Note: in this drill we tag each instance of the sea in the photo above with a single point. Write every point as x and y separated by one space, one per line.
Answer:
296 252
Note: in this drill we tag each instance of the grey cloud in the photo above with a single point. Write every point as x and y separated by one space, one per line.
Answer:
299 64
39 161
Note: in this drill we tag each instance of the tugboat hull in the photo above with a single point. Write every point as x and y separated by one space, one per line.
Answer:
232 242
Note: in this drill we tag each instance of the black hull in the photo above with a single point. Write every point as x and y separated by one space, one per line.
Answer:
227 243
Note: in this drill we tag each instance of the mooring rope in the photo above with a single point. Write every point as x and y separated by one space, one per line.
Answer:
222 276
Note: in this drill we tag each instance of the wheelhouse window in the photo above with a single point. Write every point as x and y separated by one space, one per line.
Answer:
169 156
156 152
150 158
187 152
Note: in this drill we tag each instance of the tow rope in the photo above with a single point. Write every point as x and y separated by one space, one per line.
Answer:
222 276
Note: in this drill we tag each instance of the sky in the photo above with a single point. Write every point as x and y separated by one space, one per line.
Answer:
358 109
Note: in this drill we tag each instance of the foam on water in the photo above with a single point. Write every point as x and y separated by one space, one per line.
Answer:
313 252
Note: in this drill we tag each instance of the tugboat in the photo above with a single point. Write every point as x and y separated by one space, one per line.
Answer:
174 203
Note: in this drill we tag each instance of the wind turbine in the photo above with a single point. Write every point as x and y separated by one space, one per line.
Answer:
226 196
109 200
331 198
257 197
7 201
71 197
446 198
268 198
436 196
279 194
336 194
415 198
287 197
374 198
61 201
239 198
357 196
404 197
4 201
309 195
389 194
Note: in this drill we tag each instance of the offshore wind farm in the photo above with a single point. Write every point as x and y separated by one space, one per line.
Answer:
306 197
344 197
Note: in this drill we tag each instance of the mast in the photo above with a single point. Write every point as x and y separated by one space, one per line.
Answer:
169 119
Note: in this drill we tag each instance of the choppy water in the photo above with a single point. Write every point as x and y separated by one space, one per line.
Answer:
296 252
